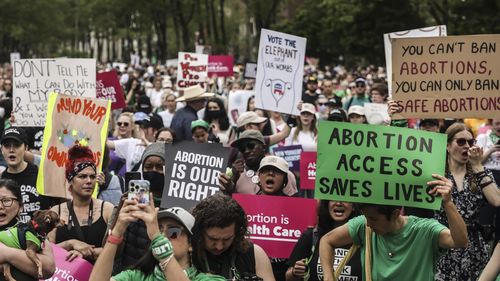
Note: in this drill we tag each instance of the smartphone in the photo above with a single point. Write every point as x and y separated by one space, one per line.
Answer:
131 176
139 190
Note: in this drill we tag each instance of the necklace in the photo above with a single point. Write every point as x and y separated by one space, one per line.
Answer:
390 241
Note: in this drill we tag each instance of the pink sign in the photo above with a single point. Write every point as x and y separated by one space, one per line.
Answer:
220 65
307 170
108 87
78 269
276 222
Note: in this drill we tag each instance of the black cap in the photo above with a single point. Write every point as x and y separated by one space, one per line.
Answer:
15 133
337 115
312 79
144 104
152 120
335 102
429 122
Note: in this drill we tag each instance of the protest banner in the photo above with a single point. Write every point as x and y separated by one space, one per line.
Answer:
222 66
76 270
237 104
14 56
378 164
307 169
70 120
276 222
34 79
192 69
431 31
291 154
108 88
191 172
376 113
250 70
172 62
446 77
280 69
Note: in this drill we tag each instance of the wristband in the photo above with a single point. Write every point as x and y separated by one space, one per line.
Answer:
164 263
114 239
161 247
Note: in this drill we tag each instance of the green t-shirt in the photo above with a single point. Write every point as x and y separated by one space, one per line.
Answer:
9 238
192 274
414 250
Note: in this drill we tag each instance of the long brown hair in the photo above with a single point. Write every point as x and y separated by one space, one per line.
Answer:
314 129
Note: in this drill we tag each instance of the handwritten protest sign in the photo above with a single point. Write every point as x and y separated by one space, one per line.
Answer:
108 87
307 169
280 68
378 164
291 154
192 69
70 120
191 172
78 269
250 70
237 104
276 222
34 79
376 113
221 66
432 31
454 76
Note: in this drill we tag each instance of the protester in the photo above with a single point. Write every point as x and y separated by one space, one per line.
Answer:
304 259
168 108
429 125
492 270
472 187
359 97
251 145
306 132
396 240
322 108
310 94
199 130
216 116
111 187
379 93
85 217
356 115
165 135
195 98
219 243
125 128
155 94
171 229
251 121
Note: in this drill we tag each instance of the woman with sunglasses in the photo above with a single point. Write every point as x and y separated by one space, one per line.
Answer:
169 255
472 187
86 218
124 129
22 267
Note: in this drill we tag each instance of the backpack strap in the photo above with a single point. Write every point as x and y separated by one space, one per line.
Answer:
22 228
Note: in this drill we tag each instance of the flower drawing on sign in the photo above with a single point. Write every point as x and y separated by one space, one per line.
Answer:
278 88
69 137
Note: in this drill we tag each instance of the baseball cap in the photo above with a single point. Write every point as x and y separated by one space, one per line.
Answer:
356 109
144 104
248 135
199 123
248 118
337 115
312 79
154 149
307 107
335 102
274 161
15 133
360 80
152 120
179 214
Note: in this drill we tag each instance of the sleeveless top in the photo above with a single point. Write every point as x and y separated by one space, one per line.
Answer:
92 234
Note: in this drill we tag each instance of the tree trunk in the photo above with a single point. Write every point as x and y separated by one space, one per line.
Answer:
213 17
223 25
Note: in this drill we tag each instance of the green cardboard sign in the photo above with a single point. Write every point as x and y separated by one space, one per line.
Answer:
378 164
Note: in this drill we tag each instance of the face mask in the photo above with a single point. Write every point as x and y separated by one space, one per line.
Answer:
323 108
156 181
214 114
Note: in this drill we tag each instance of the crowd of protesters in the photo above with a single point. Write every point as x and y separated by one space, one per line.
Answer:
127 240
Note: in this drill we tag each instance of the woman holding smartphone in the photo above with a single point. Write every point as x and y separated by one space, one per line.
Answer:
86 218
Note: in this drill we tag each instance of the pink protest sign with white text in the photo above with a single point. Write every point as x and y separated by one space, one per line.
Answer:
307 170
78 269
220 65
276 222
108 87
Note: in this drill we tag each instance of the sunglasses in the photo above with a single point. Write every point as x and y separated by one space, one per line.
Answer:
463 141
322 103
360 85
174 232
248 145
124 124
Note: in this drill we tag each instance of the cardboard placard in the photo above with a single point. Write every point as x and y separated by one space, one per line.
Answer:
378 164
237 104
222 66
70 120
192 69
280 69
376 113
109 88
250 70
78 269
447 77
307 169
432 31
192 172
291 154
276 222
34 79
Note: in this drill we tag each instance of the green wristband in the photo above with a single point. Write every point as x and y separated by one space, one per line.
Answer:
161 247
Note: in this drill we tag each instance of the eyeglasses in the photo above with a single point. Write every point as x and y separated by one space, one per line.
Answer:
463 141
124 124
7 202
85 176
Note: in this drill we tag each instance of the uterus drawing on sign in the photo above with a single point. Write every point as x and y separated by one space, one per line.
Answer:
278 88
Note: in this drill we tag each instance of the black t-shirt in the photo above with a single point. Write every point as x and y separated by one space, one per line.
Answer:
302 250
221 265
32 201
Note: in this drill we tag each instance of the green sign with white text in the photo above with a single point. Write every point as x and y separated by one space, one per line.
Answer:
378 164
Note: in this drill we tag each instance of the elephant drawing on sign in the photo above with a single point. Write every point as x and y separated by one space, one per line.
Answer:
278 88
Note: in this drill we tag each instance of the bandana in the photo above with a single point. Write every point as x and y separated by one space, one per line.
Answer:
78 168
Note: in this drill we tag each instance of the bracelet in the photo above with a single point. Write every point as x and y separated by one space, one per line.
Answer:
483 185
164 263
114 239
161 247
